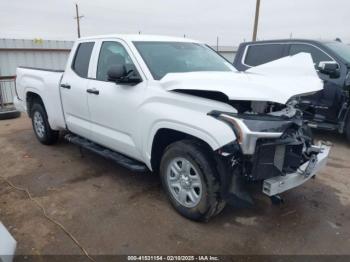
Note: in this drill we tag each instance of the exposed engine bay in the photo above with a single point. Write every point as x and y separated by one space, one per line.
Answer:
273 139
273 144
249 107
268 108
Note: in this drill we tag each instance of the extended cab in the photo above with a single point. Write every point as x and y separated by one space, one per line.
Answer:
175 107
327 109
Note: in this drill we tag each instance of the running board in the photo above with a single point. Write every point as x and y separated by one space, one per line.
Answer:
120 159
324 126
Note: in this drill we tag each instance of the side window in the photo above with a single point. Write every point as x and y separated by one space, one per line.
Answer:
82 59
113 53
261 54
316 54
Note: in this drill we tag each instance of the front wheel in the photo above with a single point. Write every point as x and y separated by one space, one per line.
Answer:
41 126
190 180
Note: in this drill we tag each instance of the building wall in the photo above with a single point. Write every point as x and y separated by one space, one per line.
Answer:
229 52
33 53
10 60
230 56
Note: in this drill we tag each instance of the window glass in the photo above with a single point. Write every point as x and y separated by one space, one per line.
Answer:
316 54
82 59
341 50
111 54
261 54
179 57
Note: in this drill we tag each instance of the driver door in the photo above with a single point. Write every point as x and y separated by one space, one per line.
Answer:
113 107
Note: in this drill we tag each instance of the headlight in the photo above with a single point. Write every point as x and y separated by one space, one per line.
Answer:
249 131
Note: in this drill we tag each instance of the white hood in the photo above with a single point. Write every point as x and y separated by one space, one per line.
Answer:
276 81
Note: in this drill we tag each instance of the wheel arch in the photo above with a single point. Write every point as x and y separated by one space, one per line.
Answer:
31 97
165 136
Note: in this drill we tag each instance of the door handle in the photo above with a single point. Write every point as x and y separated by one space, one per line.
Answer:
93 91
65 86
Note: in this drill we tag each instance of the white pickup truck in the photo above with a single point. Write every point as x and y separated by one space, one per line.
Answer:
177 108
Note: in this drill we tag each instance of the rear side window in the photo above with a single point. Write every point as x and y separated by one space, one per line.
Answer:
82 59
261 54
316 54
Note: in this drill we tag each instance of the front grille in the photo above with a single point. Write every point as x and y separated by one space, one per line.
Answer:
277 157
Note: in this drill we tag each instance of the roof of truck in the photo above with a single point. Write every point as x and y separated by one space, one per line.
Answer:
290 40
140 37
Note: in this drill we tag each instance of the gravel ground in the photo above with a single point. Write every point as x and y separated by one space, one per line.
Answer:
111 210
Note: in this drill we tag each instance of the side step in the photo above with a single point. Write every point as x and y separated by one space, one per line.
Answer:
324 126
120 159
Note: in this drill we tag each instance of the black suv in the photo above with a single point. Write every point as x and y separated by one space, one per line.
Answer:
327 109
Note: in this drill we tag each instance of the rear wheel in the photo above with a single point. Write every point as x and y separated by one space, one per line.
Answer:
41 126
190 180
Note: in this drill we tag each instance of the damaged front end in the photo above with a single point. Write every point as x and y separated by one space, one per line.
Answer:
272 146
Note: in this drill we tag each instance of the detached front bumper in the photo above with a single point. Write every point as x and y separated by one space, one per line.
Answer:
279 184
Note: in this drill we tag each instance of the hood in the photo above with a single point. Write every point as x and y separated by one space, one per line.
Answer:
276 81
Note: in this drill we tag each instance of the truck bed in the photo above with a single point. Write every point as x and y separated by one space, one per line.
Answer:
44 82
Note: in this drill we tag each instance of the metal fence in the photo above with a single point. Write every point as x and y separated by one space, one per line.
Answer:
7 91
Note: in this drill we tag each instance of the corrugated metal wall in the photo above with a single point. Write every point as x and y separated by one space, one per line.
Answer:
34 53
229 52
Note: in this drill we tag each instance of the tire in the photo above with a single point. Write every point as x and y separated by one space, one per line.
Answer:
191 181
9 114
41 127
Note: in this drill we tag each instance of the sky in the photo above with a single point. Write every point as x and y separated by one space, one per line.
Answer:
204 20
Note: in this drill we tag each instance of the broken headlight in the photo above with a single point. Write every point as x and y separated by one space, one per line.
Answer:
249 128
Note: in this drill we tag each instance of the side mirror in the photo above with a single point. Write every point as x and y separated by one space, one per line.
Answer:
330 68
119 75
116 73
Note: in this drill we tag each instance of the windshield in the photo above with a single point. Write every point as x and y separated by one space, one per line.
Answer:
341 50
177 57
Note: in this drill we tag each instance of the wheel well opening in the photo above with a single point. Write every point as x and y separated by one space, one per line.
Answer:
163 138
31 98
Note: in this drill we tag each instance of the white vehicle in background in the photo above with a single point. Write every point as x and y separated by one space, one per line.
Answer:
176 107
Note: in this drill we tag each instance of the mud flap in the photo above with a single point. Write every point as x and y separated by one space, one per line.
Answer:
237 196
233 189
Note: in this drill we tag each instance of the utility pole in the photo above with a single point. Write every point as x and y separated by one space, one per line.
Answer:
256 21
217 43
78 18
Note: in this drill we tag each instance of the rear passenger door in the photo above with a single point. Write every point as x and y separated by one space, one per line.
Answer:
73 91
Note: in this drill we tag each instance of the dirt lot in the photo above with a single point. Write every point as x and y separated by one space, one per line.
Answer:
113 211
